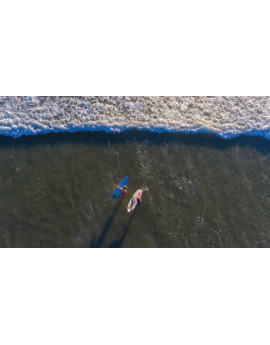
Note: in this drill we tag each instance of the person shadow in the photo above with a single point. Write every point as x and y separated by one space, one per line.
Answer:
106 228
119 244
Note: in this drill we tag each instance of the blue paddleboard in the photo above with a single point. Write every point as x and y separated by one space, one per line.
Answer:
117 191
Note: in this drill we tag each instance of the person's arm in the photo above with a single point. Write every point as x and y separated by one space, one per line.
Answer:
119 188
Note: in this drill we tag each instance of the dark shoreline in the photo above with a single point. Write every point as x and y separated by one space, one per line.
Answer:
202 139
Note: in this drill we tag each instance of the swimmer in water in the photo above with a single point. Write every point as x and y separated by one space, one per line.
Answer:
123 191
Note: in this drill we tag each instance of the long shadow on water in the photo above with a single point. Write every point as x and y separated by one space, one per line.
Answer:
106 227
119 244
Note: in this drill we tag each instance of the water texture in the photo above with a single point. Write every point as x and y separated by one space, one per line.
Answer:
228 117
198 190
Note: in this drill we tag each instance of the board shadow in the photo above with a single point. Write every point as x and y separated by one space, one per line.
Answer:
106 228
119 244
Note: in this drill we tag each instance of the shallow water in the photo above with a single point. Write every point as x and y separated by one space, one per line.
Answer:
199 190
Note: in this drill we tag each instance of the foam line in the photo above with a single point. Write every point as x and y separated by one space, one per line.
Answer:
227 117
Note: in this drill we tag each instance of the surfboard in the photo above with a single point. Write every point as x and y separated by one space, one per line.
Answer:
133 201
117 191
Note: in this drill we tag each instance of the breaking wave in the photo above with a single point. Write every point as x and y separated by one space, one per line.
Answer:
227 117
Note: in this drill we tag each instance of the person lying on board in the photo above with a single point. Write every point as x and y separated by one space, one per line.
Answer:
123 190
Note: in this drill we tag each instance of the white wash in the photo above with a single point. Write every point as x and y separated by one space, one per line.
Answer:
227 117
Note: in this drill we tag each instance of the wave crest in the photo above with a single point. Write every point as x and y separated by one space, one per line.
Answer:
227 117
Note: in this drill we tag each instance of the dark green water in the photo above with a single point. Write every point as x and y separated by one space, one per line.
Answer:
199 190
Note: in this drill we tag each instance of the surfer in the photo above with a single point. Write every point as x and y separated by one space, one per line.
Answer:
139 200
123 190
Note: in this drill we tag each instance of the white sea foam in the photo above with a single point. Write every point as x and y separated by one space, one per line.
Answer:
225 116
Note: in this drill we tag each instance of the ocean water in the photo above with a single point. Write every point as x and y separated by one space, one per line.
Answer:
199 190
227 117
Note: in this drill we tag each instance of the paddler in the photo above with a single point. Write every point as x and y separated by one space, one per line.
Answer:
123 190
139 200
